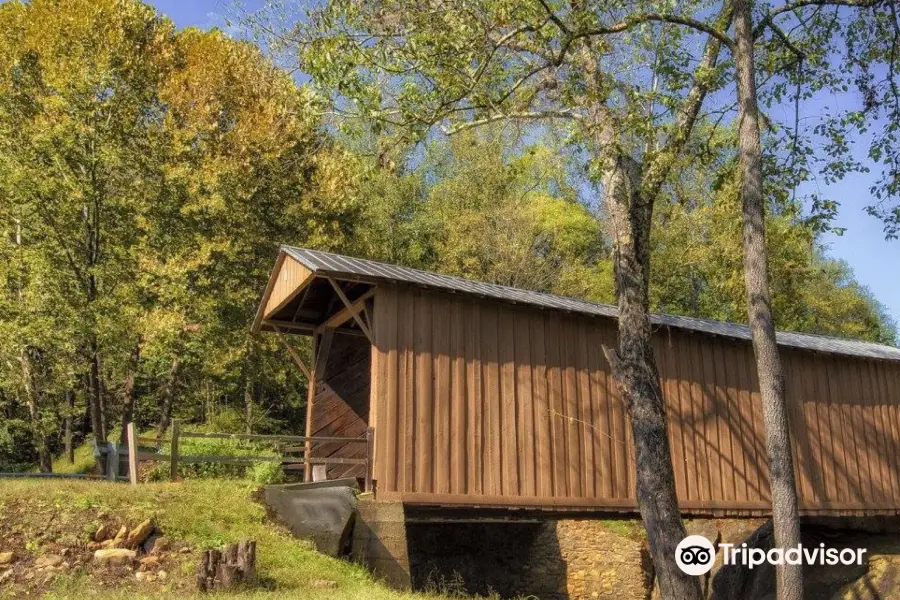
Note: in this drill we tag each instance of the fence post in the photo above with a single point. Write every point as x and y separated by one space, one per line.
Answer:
370 436
173 467
132 453
112 461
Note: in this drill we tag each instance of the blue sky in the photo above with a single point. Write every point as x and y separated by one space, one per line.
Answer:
874 260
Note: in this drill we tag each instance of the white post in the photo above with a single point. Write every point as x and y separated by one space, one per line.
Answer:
132 454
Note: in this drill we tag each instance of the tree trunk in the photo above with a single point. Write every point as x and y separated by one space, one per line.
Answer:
168 398
34 404
128 394
636 374
95 399
759 309
248 405
70 416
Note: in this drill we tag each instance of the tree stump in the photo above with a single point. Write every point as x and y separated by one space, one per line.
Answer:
227 568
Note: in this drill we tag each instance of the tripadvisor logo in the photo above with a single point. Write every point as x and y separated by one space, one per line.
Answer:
695 555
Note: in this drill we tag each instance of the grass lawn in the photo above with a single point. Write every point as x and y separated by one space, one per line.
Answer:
58 517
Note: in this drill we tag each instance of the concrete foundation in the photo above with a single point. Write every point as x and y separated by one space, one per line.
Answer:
380 542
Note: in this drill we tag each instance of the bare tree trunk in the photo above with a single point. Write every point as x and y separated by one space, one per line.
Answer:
34 404
165 416
630 196
96 391
759 308
70 416
635 371
248 405
128 394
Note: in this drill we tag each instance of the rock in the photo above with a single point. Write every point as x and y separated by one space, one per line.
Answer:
114 556
109 544
323 584
139 534
185 550
6 558
120 537
48 560
104 532
5 576
149 561
144 576
156 544
161 575
94 546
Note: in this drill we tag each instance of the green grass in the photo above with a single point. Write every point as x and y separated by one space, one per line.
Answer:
202 513
84 461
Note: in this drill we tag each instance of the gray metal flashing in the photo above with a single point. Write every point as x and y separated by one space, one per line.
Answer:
345 267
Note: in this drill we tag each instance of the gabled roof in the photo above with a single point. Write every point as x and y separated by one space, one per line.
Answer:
358 269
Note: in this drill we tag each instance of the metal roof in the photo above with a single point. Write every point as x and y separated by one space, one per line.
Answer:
345 267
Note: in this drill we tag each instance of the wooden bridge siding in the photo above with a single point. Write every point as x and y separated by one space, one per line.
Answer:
341 405
291 275
487 403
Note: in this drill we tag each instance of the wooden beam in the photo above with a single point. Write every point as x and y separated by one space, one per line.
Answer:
297 360
309 328
353 308
345 314
321 348
292 325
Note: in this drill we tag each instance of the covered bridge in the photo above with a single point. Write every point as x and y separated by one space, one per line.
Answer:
490 396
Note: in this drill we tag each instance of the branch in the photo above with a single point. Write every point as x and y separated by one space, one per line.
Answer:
792 6
780 34
553 17
690 108
519 116
662 18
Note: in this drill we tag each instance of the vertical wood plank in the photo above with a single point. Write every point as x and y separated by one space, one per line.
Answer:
811 400
603 487
723 418
758 425
492 436
423 444
440 323
475 396
555 399
525 408
869 435
458 423
702 415
669 383
689 417
508 417
542 417
835 417
570 391
585 414
849 428
713 413
407 392
384 388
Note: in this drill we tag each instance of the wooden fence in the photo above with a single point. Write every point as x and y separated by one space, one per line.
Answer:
295 457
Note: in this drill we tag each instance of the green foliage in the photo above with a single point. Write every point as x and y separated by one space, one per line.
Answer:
145 176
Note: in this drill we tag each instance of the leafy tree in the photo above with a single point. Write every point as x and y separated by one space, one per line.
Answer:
146 175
